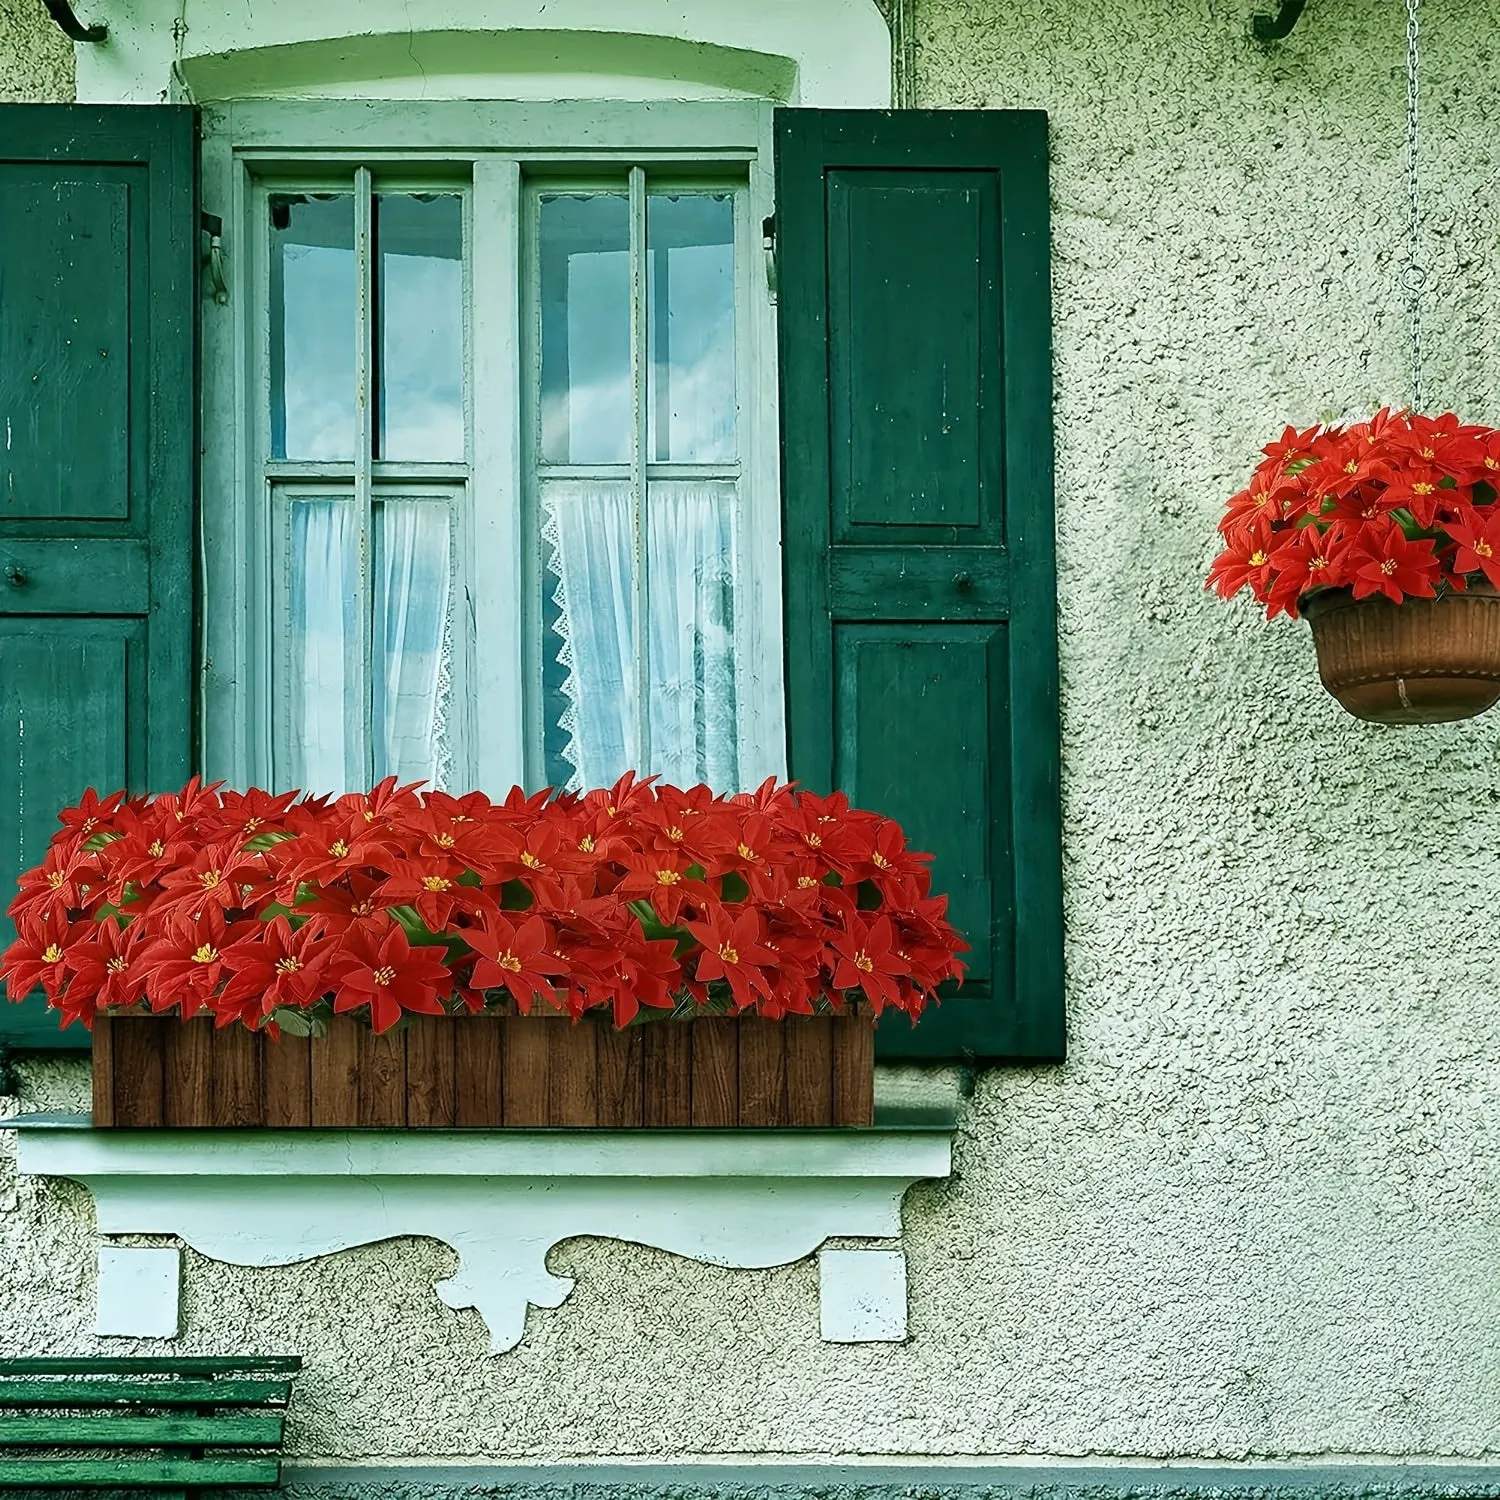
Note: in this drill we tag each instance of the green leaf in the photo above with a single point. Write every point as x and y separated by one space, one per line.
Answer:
514 896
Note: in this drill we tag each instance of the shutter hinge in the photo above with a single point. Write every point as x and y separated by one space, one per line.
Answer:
768 244
213 256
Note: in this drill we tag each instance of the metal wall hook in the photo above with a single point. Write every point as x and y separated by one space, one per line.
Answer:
213 256
1274 28
72 27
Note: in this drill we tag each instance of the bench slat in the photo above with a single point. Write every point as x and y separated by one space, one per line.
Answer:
144 1392
277 1364
140 1432
64 1473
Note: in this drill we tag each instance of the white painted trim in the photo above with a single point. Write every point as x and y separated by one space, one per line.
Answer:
862 1296
501 1199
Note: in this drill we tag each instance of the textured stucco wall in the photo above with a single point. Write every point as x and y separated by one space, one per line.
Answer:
1256 1214
36 59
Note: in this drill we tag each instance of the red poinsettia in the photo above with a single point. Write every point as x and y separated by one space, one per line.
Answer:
1403 505
246 905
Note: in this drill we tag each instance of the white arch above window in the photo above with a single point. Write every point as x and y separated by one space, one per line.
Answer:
825 53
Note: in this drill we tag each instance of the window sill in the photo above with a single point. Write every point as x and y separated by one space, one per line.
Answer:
503 1198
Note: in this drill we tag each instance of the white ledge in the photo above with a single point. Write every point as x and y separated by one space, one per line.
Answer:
501 1199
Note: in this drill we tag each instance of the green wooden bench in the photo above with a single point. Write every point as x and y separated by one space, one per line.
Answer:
171 1426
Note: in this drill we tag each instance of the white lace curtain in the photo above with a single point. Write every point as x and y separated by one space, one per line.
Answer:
590 555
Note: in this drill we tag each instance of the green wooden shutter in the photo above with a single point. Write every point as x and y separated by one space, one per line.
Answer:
98 255
921 644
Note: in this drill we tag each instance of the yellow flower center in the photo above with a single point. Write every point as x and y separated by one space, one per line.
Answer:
668 877
157 849
815 840
210 879
1429 453
1258 559
251 824
444 841
338 849
530 860
804 881
1388 566
364 908
880 861
675 834
1423 489
88 825
384 976
729 955
746 852
207 954
1484 549
53 954
1314 563
863 962
508 960
54 879
586 843
115 966
1352 467
288 965
435 883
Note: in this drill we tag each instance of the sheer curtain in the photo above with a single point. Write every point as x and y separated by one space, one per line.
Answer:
411 646
590 553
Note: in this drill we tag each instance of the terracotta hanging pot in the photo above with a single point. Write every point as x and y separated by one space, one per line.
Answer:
1423 661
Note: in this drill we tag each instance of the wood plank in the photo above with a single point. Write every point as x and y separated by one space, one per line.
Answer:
188 1065
523 1062
667 1051
139 1042
621 1074
381 1084
286 1079
103 1079
809 1070
141 1432
237 1098
144 1392
854 1069
478 1093
762 1072
716 1071
573 1072
148 1364
61 1473
335 1073
431 1094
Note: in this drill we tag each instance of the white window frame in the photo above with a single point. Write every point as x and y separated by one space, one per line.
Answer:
244 143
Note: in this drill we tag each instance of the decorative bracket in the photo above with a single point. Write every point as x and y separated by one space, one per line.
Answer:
503 1199
1275 28
72 27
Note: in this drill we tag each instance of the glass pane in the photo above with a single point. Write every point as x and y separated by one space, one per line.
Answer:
323 644
585 329
588 631
413 641
421 326
693 701
312 307
690 318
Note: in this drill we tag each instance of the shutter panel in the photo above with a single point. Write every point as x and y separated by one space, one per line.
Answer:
98 239
921 646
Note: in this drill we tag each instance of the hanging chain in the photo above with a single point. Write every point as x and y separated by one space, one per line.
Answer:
1414 274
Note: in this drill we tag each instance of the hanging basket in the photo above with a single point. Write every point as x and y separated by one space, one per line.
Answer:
1423 661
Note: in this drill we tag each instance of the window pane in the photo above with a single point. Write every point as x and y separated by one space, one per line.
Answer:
691 575
420 300
413 642
323 643
690 301
584 246
588 631
312 298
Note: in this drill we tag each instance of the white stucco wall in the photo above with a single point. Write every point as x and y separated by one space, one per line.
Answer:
1256 1213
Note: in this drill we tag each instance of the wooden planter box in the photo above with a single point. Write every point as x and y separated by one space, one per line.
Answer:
489 1070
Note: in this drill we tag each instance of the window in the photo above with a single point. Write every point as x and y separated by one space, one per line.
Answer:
507 482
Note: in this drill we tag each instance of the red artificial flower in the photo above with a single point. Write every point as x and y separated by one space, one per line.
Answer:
517 958
183 966
38 956
275 965
106 966
66 880
1477 533
1245 562
867 961
378 967
92 814
1310 558
220 876
1393 566
733 951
